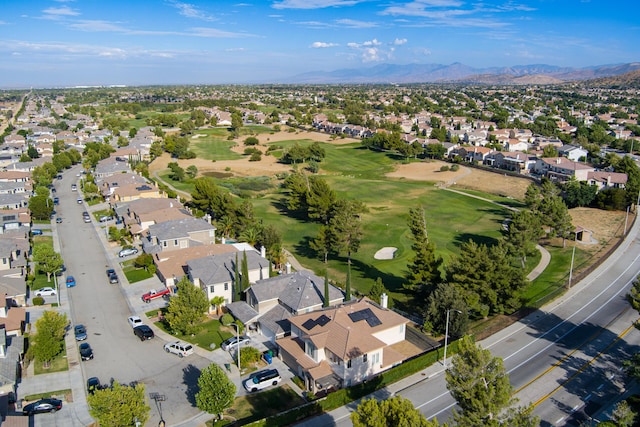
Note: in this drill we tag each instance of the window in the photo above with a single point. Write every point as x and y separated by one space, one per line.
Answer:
164 243
349 363
212 289
364 358
175 242
226 286
402 328
375 358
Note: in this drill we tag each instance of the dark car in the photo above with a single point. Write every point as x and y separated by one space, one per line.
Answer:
143 332
113 278
110 271
80 332
61 271
36 232
86 353
42 405
93 384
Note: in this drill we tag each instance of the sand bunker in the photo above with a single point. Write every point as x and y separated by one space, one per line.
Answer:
385 253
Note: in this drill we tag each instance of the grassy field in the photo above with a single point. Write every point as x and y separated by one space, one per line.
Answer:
212 144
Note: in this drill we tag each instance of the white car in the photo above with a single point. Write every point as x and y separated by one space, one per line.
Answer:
235 342
179 347
127 251
262 379
45 292
134 321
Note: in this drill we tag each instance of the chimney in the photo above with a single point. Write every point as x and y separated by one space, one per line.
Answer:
287 267
384 300
263 252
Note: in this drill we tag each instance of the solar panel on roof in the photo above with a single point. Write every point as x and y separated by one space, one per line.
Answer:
367 315
309 324
322 320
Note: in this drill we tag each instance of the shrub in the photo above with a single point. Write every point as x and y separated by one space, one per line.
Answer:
455 167
444 168
226 319
249 356
256 157
38 301
252 140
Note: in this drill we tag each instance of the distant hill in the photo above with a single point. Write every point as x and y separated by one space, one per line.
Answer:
460 73
626 80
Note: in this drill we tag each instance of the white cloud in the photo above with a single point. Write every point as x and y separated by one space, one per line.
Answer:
370 51
352 23
191 11
399 42
312 4
59 12
319 45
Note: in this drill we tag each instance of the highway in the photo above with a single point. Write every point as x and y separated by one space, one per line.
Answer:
565 358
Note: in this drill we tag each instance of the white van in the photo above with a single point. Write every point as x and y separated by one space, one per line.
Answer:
262 379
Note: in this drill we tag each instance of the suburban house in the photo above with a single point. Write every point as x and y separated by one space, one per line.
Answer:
139 214
572 152
215 274
109 184
110 166
604 180
177 234
172 265
273 300
131 192
562 169
345 345
15 219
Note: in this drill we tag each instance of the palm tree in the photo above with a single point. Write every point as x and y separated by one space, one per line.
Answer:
217 302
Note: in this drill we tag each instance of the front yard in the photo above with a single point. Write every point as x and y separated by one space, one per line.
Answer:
209 336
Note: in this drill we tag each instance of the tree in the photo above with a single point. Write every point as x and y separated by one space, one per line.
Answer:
376 291
216 390
192 171
48 260
447 297
523 233
119 405
236 121
346 229
632 187
217 302
395 411
32 152
186 309
320 200
245 272
48 341
323 242
236 281
424 270
40 207
480 385
623 415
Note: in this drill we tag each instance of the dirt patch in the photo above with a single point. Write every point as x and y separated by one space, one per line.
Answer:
268 166
606 227
470 178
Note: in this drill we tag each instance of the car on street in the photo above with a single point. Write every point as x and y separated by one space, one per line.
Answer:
42 405
134 321
262 379
143 332
180 348
79 200
110 271
80 332
87 219
235 342
58 220
45 292
93 384
61 270
56 200
36 232
86 352
127 252
113 278
71 282
106 218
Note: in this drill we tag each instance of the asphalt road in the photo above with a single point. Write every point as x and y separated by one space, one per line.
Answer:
565 358
103 309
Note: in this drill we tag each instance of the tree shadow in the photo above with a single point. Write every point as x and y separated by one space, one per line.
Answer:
190 375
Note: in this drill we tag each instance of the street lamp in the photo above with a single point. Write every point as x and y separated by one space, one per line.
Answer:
55 282
446 336
237 342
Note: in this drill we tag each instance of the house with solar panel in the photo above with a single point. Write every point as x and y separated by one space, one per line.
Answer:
344 345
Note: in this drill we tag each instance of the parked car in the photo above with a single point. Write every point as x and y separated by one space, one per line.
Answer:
113 278
36 232
71 282
74 187
61 271
56 200
87 219
127 251
143 332
45 292
110 271
262 379
79 200
134 321
58 220
93 384
86 352
234 342
80 332
42 405
106 218
178 347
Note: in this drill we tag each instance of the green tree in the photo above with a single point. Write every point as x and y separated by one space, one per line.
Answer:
48 260
48 341
523 234
395 411
119 405
376 291
323 243
217 302
216 391
192 171
245 272
32 152
236 281
186 309
321 200
424 270
40 207
447 297
623 415
632 187
480 385
236 121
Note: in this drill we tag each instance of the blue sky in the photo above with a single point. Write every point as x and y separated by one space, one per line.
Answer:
139 42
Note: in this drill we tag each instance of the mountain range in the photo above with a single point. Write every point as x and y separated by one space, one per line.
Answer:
460 73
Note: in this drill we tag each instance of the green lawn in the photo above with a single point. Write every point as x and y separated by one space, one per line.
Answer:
210 332
134 274
58 364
